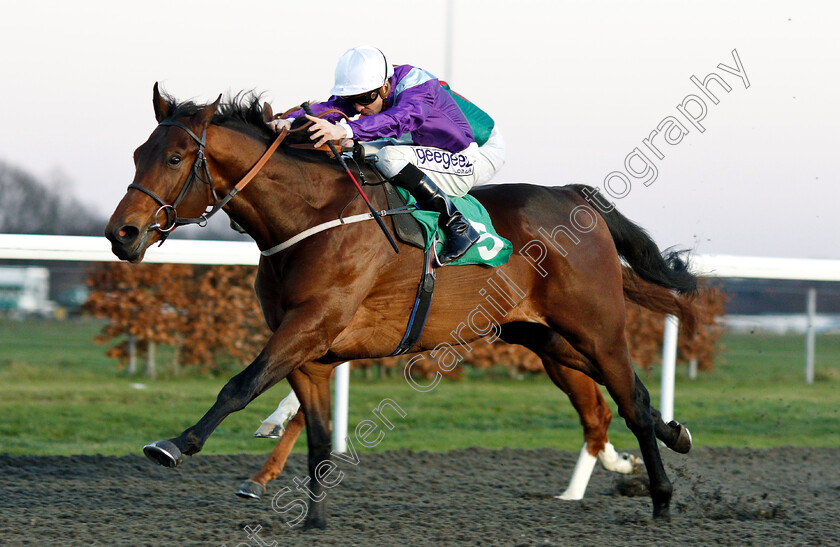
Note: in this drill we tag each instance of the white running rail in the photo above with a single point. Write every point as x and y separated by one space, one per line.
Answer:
180 251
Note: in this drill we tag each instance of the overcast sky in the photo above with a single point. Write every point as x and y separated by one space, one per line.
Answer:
574 87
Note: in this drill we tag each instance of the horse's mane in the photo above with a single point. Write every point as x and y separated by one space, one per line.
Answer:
242 111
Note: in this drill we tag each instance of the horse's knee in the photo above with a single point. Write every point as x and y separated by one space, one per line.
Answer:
244 387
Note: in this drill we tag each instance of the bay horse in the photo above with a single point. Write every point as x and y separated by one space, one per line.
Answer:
342 294
286 423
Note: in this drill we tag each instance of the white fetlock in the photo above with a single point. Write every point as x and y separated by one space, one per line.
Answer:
580 476
273 427
611 460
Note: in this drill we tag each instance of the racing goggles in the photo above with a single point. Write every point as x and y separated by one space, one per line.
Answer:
364 99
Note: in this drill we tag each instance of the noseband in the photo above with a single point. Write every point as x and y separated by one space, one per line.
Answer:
199 166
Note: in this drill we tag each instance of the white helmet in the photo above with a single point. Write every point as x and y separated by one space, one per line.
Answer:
361 69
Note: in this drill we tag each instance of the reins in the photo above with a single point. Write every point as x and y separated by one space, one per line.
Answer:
307 124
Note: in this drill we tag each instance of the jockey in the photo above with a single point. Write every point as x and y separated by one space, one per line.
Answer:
436 156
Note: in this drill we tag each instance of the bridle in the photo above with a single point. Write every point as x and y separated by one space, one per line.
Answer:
199 166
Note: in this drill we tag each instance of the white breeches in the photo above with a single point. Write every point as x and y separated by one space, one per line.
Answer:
454 173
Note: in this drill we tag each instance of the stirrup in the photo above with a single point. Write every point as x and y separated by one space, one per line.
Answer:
435 241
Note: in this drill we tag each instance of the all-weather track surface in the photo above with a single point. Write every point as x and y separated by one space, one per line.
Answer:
725 496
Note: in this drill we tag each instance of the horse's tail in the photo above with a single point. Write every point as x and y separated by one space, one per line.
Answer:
659 299
641 253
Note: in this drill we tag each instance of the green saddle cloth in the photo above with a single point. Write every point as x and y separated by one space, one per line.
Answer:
491 249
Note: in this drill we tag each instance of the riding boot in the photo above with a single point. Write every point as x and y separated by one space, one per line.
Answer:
460 235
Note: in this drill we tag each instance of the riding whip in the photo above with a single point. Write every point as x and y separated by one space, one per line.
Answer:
343 163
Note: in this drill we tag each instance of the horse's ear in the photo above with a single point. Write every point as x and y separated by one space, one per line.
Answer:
206 114
267 112
160 104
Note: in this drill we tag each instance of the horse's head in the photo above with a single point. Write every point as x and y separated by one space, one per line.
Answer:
171 183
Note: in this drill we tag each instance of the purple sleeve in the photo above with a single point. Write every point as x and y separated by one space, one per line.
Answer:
333 103
408 113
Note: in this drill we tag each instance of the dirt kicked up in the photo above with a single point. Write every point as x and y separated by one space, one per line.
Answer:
788 496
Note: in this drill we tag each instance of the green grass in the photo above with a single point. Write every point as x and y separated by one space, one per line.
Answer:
59 394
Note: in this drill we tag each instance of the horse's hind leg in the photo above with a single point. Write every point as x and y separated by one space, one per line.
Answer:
595 414
606 349
563 365
595 417
636 411
675 435
273 466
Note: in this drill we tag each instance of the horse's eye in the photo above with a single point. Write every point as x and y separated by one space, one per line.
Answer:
174 160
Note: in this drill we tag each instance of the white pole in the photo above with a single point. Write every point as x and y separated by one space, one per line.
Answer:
692 368
449 39
669 365
341 397
810 336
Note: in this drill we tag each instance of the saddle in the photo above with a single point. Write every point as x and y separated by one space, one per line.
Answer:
413 231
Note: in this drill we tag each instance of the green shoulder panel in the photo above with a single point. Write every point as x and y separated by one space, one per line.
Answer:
480 121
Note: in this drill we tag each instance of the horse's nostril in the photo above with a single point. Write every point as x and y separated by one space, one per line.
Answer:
127 234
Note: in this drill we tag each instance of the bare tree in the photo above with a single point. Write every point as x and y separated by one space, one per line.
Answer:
31 206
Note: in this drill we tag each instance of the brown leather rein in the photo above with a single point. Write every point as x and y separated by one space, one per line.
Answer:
311 146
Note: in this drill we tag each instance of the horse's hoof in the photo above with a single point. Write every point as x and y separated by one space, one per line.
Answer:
163 453
662 514
683 443
270 431
627 464
315 524
569 495
251 489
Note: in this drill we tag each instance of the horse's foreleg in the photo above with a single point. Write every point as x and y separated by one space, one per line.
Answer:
235 395
294 343
255 486
312 386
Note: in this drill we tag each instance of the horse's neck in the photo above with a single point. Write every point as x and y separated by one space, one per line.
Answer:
288 196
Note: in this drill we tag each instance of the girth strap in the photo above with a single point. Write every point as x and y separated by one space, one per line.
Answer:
422 303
